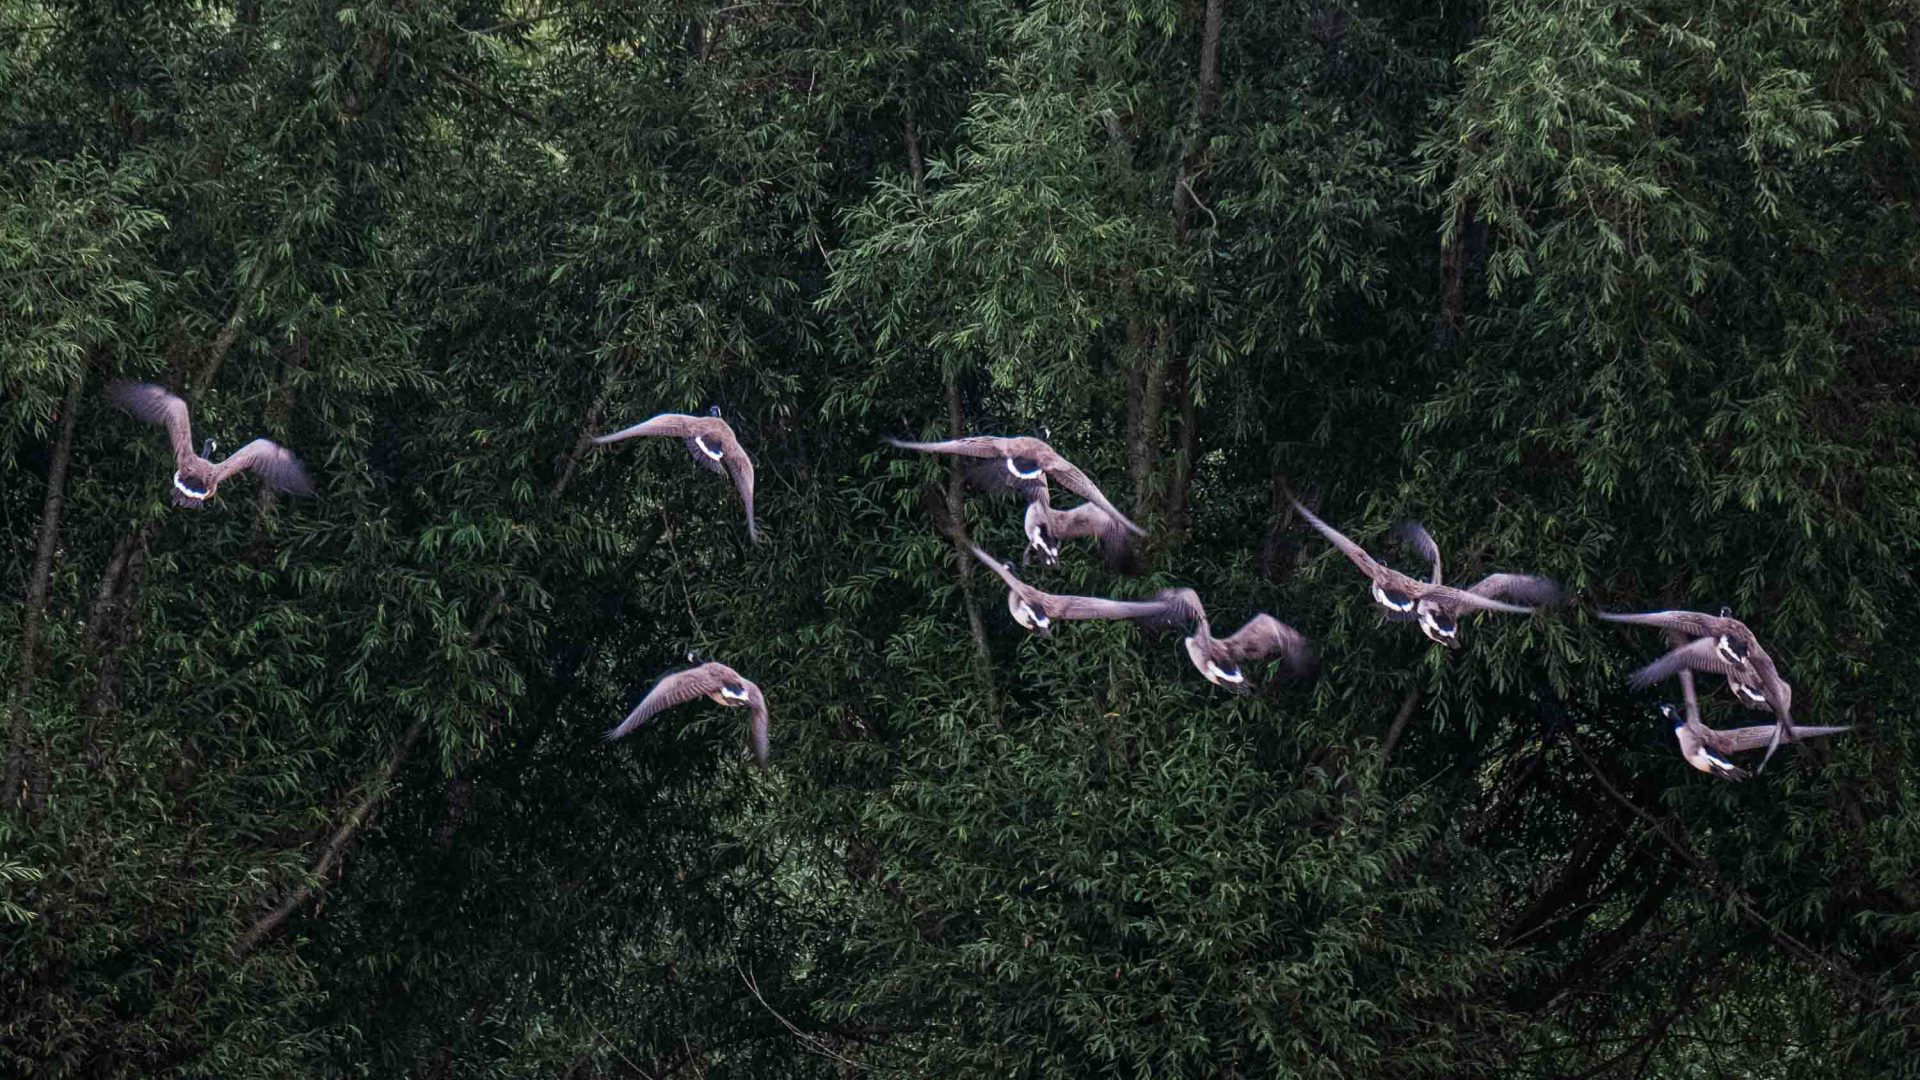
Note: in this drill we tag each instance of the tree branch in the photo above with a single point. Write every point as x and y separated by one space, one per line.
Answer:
370 796
491 97
380 784
1399 727
1845 980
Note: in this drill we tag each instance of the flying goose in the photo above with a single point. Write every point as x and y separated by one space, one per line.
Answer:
714 680
1436 607
1047 529
1707 749
195 479
1222 660
1703 654
1023 462
1723 645
710 441
1037 611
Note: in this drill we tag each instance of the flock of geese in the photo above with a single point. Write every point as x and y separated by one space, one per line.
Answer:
1027 466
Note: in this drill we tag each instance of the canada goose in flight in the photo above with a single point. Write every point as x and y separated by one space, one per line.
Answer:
1023 462
714 680
1723 645
1038 611
712 445
1436 607
1047 529
1223 660
1707 749
195 479
1703 654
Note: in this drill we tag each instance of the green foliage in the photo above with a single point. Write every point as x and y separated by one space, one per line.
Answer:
1620 293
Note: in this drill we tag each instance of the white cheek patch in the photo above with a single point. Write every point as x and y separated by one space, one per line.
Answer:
187 491
1013 468
707 450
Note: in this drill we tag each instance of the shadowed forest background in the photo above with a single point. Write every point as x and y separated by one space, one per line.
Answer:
1623 293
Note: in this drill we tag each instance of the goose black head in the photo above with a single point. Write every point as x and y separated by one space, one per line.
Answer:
1040 432
693 656
1726 612
1673 715
208 448
713 410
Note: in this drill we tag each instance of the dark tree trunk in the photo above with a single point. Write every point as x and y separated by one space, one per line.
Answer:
1179 375
39 578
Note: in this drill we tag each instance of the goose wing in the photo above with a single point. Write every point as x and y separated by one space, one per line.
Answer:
1779 699
1074 480
997 567
156 405
1529 589
1354 552
759 732
675 689
1462 601
1692 700
740 467
1700 654
1734 740
979 446
678 425
271 462
1094 607
1691 623
1415 536
1175 609
1265 636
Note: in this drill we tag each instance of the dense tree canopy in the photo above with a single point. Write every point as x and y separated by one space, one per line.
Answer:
1617 292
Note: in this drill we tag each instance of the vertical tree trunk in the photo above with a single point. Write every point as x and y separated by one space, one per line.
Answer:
1179 375
1455 263
46 540
976 626
1146 397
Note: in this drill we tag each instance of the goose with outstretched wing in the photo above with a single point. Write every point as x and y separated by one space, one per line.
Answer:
1722 645
1708 749
195 478
709 680
1022 462
1437 608
711 442
1037 610
1223 660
